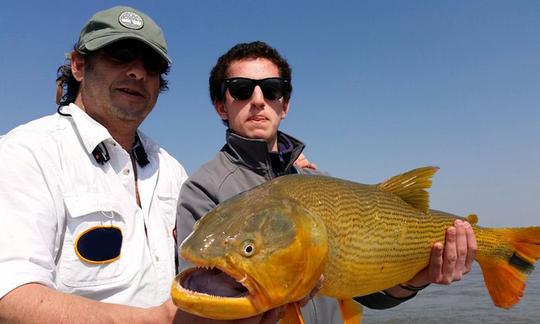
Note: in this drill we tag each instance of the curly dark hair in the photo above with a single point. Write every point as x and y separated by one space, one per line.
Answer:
253 50
68 86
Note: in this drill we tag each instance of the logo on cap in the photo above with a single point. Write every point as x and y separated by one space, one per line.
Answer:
130 20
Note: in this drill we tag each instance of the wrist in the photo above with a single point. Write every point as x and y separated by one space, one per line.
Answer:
420 280
405 290
413 288
163 313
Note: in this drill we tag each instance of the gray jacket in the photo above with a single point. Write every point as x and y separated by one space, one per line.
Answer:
240 165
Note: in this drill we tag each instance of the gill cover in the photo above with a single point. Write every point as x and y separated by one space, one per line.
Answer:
255 238
290 244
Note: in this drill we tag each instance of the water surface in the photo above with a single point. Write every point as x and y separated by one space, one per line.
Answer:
466 301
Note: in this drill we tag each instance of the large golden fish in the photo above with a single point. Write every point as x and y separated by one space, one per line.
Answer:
277 239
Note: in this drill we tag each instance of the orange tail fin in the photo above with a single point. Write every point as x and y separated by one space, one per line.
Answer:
507 261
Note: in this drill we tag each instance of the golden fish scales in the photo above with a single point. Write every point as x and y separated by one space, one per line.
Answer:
387 245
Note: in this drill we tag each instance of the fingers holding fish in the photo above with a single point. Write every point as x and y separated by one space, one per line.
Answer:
450 257
458 253
303 162
461 249
465 247
472 247
435 263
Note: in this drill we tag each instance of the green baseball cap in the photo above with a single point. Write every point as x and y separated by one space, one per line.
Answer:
117 23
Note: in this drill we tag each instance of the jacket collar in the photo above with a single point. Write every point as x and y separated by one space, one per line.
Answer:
254 154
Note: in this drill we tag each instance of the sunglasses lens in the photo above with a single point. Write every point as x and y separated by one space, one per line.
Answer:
272 88
121 53
99 245
154 62
125 52
241 89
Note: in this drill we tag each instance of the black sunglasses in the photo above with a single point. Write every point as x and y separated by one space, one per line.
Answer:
242 88
126 51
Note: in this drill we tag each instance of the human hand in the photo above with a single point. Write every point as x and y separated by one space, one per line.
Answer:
449 262
303 162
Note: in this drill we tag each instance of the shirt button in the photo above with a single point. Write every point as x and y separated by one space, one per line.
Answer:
126 171
157 258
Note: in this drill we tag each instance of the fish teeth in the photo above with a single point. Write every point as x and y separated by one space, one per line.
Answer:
243 279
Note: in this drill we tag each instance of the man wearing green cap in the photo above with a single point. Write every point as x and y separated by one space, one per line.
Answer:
88 202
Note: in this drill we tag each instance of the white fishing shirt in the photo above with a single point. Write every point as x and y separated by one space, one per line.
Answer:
52 190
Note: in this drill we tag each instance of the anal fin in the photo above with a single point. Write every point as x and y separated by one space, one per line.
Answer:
351 311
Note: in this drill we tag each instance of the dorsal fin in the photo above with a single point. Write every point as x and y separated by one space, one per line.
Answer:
411 186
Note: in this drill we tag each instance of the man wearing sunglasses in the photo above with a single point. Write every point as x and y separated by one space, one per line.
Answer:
250 88
87 202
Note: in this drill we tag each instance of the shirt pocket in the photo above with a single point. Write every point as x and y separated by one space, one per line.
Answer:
83 213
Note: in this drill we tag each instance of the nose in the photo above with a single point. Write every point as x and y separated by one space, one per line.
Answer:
137 70
257 97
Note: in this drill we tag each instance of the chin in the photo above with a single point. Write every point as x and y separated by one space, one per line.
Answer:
258 135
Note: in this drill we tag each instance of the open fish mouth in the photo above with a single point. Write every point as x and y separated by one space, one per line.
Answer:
212 293
213 282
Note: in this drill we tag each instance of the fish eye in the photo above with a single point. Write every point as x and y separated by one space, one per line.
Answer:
248 248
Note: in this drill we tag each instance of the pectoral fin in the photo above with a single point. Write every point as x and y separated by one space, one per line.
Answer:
351 311
292 315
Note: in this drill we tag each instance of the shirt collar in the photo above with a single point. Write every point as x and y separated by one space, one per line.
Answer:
90 131
93 133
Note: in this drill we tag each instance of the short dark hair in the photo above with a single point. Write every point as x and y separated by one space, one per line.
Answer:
241 51
70 86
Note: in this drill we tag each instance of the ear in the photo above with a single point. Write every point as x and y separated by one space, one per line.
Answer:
77 66
221 109
285 110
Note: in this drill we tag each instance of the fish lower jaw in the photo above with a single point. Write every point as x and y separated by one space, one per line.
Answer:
209 305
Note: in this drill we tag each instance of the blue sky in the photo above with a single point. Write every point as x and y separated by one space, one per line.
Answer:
380 87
